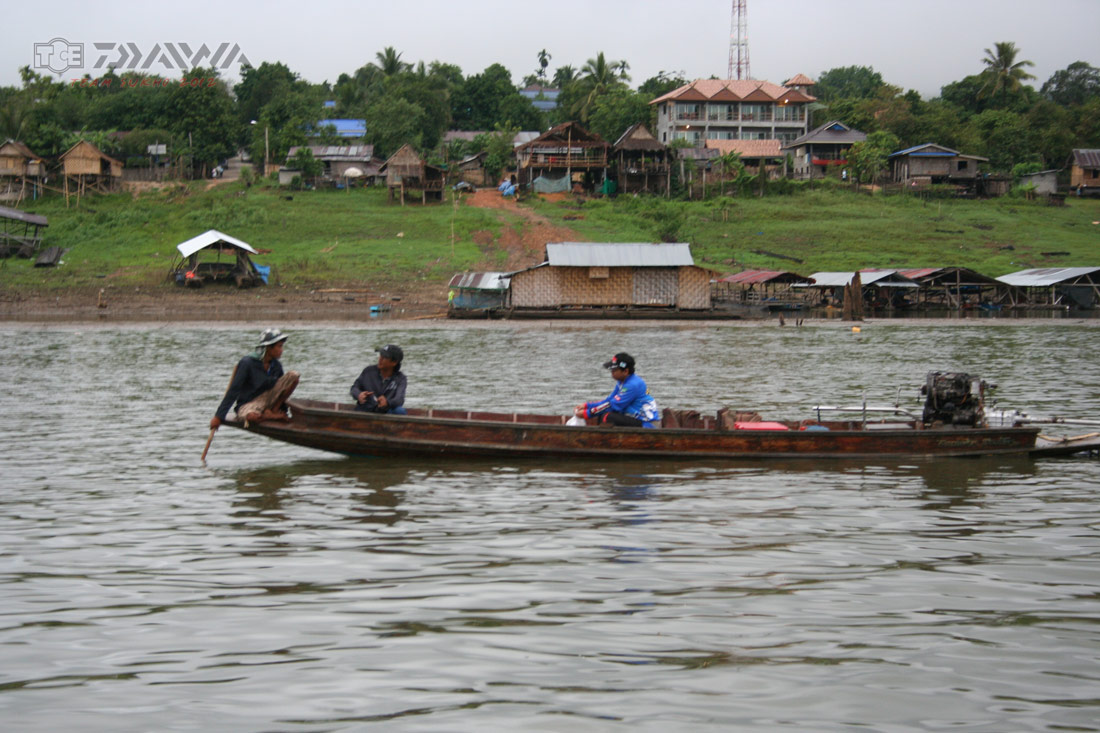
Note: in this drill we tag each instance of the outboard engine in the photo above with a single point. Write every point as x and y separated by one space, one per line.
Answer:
954 398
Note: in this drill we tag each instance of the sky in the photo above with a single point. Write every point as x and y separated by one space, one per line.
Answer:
914 44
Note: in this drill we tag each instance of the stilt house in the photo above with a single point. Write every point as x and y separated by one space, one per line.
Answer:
406 171
85 167
559 155
642 163
19 167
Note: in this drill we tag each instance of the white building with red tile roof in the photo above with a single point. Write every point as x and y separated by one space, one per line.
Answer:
734 109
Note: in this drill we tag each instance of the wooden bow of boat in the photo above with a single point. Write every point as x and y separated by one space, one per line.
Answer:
340 428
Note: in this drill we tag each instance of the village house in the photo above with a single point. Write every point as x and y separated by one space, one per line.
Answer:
85 167
543 98
822 148
734 109
18 168
923 165
756 155
340 161
1084 174
642 164
564 155
587 275
406 171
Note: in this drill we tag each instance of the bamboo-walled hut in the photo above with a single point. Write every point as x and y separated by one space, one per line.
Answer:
587 275
562 152
19 166
406 171
642 163
84 167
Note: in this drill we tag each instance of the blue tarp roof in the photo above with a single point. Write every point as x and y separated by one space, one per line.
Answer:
346 128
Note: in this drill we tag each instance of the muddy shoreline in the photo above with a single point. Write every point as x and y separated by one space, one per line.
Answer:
350 308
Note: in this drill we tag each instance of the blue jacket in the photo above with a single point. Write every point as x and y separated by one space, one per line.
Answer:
249 382
630 397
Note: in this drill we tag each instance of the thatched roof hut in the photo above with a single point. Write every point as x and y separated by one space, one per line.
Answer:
406 170
85 159
16 159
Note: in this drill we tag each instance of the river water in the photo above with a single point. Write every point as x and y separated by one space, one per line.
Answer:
282 589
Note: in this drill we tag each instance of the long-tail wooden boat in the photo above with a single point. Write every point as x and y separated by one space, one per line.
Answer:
340 428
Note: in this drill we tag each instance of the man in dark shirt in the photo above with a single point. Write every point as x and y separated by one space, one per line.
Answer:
259 387
381 386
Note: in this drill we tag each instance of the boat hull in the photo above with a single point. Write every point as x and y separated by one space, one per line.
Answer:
340 429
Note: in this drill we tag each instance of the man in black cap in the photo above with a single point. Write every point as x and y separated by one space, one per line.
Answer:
258 385
381 386
629 404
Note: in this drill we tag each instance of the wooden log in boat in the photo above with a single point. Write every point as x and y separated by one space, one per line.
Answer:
340 428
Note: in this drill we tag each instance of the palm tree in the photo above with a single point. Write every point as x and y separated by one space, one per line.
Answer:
564 76
1003 73
389 61
544 61
599 75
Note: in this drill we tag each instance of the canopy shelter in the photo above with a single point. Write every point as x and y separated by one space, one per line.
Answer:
885 288
20 232
230 263
772 288
478 291
957 288
1055 287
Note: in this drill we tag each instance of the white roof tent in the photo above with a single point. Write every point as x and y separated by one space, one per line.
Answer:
209 239
606 254
240 270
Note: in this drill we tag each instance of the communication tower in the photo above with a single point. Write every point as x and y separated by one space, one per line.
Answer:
739 41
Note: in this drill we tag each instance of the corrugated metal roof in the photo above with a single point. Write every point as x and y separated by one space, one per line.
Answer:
211 237
17 215
607 254
481 280
1086 157
1045 276
755 277
882 278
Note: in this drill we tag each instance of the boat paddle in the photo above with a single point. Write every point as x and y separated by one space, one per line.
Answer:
210 440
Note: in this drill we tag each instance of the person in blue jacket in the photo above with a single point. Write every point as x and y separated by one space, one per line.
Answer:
629 404
259 387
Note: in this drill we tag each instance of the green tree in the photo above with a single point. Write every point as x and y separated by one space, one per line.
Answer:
848 82
544 61
564 76
390 63
1003 73
259 86
304 161
868 159
1074 84
393 122
489 99
616 111
598 76
204 115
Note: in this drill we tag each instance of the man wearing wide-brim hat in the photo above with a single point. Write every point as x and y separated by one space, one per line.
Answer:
259 387
381 386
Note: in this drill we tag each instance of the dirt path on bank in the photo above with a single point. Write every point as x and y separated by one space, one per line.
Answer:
525 244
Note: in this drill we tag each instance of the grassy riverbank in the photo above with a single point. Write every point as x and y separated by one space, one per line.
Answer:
357 239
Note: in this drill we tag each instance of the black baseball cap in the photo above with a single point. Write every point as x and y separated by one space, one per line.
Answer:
392 352
620 361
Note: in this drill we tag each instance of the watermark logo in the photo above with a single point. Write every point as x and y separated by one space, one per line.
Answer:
59 56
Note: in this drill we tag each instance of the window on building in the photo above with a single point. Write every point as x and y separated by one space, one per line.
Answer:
692 136
790 113
963 164
721 112
688 111
756 112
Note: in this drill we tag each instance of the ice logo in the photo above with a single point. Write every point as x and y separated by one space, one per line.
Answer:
58 55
